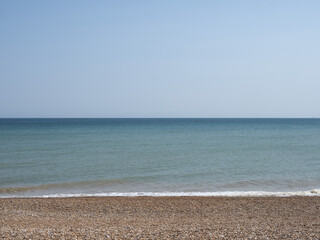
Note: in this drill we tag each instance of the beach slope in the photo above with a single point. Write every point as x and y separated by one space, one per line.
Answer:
160 218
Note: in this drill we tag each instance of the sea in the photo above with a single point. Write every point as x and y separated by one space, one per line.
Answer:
159 157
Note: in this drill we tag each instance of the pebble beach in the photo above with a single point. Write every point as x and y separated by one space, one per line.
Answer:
160 218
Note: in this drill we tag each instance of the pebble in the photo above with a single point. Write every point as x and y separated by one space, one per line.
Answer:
160 218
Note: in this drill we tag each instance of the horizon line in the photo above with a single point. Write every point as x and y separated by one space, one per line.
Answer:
159 117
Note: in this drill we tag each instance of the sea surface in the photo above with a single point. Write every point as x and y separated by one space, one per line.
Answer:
159 157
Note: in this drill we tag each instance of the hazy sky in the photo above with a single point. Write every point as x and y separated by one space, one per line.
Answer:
160 58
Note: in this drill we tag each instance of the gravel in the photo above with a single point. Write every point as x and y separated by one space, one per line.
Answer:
160 218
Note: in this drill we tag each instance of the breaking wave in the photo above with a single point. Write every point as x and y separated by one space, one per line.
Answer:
314 192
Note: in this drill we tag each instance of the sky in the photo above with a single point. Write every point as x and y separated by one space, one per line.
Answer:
160 58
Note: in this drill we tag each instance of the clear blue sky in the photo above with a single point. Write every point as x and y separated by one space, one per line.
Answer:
160 58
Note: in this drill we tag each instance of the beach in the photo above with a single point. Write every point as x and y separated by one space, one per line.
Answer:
160 218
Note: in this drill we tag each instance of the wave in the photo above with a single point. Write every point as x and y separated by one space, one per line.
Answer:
69 185
287 183
314 192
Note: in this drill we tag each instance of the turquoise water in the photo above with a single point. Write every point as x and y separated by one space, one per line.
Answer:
41 157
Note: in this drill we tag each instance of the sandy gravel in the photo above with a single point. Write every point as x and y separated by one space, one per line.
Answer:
161 218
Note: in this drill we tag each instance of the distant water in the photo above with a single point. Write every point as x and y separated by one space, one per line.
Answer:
75 157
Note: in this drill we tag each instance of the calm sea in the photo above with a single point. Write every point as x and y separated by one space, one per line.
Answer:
132 157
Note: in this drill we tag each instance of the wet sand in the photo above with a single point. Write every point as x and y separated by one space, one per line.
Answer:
161 218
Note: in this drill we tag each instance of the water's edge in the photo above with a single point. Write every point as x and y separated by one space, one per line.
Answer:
309 193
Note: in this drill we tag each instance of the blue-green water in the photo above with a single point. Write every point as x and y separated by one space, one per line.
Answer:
121 156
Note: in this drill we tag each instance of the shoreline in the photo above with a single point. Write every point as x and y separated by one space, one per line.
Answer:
294 217
303 193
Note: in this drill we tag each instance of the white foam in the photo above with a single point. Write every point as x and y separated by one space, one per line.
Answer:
314 192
